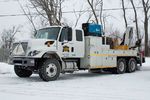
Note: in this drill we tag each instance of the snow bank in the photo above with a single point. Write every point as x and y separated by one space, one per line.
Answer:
147 63
5 68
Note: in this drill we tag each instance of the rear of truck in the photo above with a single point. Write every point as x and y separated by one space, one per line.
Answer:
102 54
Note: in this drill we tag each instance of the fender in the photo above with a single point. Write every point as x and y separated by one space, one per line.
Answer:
53 54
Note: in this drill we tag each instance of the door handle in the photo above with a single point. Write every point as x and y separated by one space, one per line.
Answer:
70 43
62 43
72 49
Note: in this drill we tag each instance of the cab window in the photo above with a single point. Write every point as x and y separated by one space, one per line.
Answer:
79 36
66 34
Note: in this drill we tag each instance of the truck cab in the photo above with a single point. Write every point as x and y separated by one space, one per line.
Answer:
63 45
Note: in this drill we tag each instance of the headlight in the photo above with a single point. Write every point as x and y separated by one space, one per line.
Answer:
34 53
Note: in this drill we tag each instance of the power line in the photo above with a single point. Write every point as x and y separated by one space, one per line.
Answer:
35 14
103 10
5 1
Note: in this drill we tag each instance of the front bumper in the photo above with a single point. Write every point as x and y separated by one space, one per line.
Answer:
22 61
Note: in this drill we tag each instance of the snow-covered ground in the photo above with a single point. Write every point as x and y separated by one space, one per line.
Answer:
78 86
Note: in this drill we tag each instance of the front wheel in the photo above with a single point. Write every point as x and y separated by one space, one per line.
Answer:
22 72
50 70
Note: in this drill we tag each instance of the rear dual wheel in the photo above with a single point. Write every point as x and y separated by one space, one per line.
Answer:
132 65
121 66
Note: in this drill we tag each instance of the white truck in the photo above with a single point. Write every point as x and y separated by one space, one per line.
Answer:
57 49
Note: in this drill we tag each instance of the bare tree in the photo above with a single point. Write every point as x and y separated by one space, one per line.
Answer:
4 54
52 9
114 32
8 36
102 19
136 23
43 22
78 16
89 17
28 15
7 39
146 7
124 13
95 5
136 19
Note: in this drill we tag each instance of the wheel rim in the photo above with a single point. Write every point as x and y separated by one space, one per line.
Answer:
121 66
132 66
51 70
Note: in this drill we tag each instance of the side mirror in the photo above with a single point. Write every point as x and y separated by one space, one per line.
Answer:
35 32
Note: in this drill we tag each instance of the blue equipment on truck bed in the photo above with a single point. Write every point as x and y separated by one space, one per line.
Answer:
91 29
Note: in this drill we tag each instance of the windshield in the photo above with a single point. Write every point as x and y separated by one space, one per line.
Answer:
48 33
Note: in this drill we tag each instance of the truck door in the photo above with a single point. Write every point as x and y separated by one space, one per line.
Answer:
71 43
65 42
79 47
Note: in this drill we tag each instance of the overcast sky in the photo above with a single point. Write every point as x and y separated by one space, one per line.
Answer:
8 7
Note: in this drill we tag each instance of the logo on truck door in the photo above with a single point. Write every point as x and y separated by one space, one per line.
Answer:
65 49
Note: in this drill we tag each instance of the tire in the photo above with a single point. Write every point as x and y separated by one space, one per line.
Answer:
22 72
50 70
121 66
132 65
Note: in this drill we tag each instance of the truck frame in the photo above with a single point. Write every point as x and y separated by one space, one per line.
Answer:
57 49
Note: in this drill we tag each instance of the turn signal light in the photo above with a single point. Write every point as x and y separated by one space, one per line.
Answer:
48 44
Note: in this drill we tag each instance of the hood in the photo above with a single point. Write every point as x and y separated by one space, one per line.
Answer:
24 47
38 44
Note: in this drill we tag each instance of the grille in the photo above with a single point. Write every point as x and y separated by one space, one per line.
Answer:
24 46
14 46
